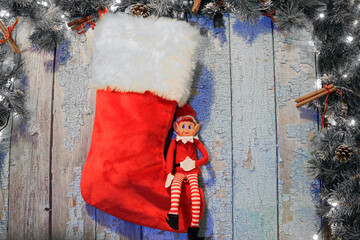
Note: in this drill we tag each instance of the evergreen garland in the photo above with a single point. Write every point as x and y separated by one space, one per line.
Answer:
80 8
47 18
11 97
337 39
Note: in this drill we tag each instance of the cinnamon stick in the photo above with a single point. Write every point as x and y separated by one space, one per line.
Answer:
196 6
313 93
75 27
331 90
76 22
10 40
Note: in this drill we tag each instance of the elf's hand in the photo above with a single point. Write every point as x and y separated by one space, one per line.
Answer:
188 164
169 179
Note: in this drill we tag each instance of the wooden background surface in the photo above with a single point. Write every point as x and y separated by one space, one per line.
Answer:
255 184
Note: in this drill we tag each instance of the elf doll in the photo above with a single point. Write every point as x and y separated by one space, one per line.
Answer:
185 168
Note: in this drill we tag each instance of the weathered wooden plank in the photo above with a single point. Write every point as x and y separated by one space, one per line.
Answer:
5 138
30 147
295 76
254 133
211 101
212 104
74 105
112 228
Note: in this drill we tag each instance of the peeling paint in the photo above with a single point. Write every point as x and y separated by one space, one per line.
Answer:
213 108
294 78
207 25
251 32
4 166
4 218
297 214
75 225
202 101
248 163
4 156
4 180
74 77
254 192
294 88
115 228
221 193
152 234
300 131
296 67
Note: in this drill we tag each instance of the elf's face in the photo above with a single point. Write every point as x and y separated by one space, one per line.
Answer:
186 128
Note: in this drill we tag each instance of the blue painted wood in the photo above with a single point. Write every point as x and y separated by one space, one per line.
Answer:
254 132
295 77
5 142
5 137
239 107
211 101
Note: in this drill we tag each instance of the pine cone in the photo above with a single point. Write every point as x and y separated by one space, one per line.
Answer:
343 153
140 10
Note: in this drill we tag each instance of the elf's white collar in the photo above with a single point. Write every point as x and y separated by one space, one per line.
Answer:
186 139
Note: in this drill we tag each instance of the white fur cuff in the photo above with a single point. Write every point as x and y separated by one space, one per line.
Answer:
133 54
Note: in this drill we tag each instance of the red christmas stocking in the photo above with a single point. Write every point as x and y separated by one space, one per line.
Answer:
143 70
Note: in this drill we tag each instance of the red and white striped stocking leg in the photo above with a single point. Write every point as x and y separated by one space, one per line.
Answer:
175 192
195 199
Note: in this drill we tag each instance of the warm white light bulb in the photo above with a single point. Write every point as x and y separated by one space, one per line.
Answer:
45 4
318 84
345 75
113 8
349 39
352 122
356 22
4 13
316 237
321 15
334 204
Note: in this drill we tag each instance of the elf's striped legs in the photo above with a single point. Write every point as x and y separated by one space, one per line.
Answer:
195 200
175 192
195 196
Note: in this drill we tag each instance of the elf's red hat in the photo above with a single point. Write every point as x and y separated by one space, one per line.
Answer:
185 111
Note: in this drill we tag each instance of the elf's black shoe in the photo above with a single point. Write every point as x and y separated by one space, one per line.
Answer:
193 233
173 221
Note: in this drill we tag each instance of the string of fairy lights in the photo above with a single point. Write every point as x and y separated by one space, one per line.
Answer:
349 37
